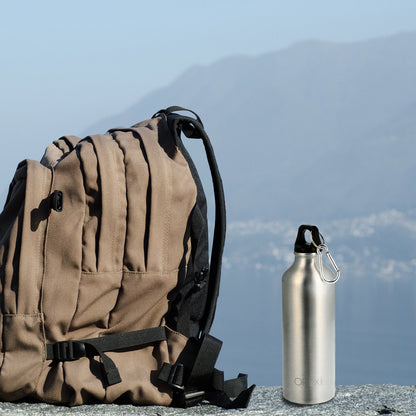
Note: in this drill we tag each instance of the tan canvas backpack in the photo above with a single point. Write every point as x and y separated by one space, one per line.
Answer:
107 290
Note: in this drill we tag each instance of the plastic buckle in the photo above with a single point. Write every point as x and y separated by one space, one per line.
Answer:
175 378
189 398
69 350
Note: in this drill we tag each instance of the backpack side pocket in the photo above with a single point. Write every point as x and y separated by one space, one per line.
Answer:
23 354
22 234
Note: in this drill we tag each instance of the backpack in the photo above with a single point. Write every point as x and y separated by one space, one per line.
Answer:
108 293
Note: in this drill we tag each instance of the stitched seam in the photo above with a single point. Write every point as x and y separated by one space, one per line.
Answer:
176 333
45 242
169 198
118 198
131 272
114 136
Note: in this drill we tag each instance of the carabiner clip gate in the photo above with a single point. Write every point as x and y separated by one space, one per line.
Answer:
319 249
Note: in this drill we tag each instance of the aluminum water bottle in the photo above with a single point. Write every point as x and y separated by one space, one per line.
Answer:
308 301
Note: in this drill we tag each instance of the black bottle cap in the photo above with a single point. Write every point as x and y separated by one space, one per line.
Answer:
301 245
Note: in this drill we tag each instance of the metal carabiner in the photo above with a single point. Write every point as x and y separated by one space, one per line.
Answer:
319 249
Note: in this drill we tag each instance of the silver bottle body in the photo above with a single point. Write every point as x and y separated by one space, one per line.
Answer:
308 332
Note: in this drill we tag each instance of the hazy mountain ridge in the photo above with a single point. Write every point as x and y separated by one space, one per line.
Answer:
319 129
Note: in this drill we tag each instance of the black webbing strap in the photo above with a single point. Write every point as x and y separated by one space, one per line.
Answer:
204 364
220 398
199 358
232 387
73 349
174 108
201 381
193 128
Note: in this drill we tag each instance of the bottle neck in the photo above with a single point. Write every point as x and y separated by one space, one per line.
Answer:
305 258
305 255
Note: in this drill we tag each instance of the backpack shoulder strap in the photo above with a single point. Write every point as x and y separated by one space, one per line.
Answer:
193 128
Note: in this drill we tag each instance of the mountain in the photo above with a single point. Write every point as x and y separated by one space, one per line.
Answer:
313 131
319 133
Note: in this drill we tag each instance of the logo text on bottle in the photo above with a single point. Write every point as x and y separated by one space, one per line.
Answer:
304 381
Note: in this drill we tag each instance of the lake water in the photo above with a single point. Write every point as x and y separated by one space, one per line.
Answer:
375 329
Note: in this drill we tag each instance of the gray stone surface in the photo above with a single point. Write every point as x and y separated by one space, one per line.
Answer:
349 400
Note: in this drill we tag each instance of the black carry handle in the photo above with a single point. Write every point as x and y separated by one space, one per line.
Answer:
301 245
174 108
193 128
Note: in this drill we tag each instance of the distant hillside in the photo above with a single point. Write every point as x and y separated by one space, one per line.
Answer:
317 130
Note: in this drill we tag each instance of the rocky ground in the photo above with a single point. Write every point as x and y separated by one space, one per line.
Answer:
368 400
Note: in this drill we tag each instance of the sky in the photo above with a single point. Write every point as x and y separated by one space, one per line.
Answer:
67 65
